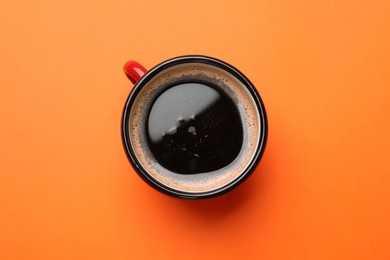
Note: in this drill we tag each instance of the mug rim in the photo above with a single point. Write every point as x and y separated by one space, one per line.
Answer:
143 173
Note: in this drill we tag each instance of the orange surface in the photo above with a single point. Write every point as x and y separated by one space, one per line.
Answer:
321 191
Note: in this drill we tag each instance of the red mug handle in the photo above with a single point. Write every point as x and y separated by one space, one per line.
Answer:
134 71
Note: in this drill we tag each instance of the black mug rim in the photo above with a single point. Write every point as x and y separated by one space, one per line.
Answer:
221 65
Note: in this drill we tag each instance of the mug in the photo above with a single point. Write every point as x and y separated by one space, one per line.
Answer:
193 127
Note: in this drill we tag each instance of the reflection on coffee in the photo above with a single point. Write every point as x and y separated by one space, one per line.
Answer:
194 127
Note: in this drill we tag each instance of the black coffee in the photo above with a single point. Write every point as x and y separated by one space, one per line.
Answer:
194 128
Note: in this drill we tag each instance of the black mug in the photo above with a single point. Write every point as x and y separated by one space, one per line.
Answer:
193 126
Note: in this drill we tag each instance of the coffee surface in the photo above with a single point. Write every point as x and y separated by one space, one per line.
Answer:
210 135
194 127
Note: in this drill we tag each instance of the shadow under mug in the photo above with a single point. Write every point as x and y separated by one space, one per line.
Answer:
193 127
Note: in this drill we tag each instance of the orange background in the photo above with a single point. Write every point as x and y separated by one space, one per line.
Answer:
321 191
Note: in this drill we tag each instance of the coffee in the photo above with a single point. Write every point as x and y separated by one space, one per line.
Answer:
193 127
